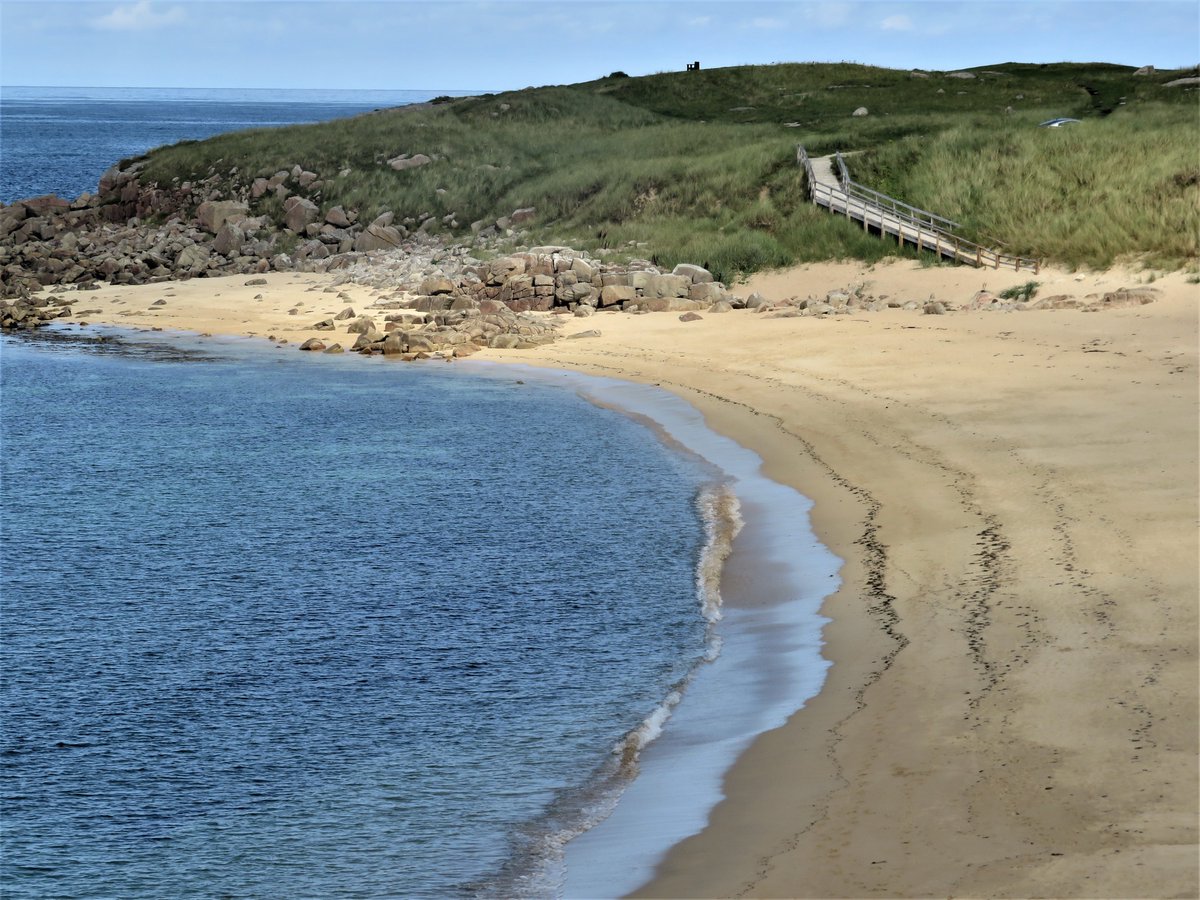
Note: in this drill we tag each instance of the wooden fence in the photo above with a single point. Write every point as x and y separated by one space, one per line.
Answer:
838 193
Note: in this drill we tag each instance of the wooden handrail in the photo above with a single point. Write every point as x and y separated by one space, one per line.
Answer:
915 213
870 202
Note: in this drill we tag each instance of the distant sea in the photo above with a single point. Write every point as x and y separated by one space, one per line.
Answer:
59 140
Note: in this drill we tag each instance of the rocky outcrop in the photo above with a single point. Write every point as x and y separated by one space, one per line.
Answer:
28 314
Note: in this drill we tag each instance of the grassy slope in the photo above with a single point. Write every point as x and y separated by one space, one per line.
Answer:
700 166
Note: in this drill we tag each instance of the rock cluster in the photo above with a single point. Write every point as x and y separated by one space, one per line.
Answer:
448 303
27 314
133 231
450 333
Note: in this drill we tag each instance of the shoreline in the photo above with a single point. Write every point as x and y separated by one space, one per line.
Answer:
1013 646
769 638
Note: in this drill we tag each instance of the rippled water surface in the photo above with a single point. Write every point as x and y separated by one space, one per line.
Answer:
284 625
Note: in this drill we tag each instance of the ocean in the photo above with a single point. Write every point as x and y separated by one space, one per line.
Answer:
290 625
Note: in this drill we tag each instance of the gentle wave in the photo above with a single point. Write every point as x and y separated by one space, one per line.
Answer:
538 870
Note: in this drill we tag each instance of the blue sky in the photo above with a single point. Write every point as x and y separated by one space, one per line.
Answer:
504 44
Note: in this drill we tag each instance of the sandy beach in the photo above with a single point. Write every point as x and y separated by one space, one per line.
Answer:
1012 706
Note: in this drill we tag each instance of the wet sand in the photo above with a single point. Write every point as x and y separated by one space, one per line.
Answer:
1012 706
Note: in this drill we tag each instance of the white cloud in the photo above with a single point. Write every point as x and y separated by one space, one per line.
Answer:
766 23
138 17
896 23
828 15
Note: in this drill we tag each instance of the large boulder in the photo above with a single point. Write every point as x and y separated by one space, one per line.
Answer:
378 237
361 325
578 293
192 260
299 213
338 218
212 214
437 284
500 270
660 286
616 293
707 292
582 269
229 240
697 274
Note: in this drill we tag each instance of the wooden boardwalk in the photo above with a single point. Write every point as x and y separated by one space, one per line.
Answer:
830 185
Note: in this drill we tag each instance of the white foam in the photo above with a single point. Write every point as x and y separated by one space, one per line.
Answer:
765 658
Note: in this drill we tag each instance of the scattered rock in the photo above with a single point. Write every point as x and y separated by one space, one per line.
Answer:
404 161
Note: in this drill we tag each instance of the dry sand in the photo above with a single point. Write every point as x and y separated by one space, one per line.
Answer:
1012 709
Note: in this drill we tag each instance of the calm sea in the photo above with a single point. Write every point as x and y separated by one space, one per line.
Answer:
60 140
278 625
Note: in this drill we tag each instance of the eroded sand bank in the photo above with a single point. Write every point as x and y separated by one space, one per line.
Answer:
1012 709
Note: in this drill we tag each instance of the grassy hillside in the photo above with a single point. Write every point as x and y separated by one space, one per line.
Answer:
699 166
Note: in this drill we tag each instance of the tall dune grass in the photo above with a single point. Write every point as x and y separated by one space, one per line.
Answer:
700 166
1119 188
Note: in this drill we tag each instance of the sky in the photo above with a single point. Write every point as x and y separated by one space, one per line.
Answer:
461 45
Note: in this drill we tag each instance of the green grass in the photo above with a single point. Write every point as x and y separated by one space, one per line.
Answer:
1024 292
699 167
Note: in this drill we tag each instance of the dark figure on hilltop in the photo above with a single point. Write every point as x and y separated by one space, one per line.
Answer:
694 67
